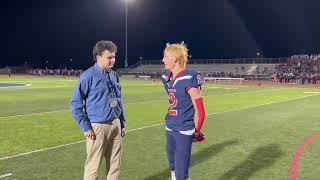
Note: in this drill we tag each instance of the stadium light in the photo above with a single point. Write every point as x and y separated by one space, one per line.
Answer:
47 63
70 62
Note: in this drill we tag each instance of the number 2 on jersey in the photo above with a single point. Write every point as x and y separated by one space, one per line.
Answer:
173 104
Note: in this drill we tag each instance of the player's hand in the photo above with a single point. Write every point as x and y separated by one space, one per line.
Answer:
198 137
195 136
123 132
90 134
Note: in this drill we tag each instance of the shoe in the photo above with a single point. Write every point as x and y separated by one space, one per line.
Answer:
173 175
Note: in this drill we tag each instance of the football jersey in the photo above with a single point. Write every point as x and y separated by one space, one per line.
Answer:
180 115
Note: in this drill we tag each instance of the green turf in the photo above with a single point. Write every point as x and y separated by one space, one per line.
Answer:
252 131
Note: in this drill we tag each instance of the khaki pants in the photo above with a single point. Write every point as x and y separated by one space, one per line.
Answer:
107 144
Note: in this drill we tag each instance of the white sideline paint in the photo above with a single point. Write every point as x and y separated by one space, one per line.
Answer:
63 145
6 175
213 87
274 102
31 114
24 85
152 84
145 77
222 78
230 88
311 92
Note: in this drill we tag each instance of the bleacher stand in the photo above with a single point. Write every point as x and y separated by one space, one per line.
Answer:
252 69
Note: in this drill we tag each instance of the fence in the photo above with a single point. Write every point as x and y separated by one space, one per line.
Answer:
219 61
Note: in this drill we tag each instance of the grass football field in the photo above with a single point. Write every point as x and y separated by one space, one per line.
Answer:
252 132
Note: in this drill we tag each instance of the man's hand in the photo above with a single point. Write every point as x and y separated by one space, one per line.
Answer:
123 132
90 134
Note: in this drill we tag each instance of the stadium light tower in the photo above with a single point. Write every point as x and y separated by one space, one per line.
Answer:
126 48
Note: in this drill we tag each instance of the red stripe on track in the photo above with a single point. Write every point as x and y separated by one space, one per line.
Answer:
295 159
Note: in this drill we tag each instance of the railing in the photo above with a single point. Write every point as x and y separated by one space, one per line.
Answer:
219 61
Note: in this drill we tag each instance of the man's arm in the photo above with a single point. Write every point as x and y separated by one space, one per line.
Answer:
77 105
121 117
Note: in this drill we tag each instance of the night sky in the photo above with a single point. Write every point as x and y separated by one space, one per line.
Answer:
56 31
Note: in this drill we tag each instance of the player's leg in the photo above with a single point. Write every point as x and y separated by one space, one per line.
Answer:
182 155
170 146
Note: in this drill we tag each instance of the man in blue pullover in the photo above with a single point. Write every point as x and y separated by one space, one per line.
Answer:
97 107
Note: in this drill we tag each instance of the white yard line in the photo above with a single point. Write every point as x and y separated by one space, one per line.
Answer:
39 113
63 145
243 92
311 92
55 147
6 175
31 114
272 102
24 85
40 150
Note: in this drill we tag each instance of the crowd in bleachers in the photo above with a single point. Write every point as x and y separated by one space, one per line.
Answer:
301 69
64 72
218 74
240 71
304 78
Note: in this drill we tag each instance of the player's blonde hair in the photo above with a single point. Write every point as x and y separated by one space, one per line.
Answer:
180 51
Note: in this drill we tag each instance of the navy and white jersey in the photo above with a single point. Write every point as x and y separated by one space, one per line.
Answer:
181 112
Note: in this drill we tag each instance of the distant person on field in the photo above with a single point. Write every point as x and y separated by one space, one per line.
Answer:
9 72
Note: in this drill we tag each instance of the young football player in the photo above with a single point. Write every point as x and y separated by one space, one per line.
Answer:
186 113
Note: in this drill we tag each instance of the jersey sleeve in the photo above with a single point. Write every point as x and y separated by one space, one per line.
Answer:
197 80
